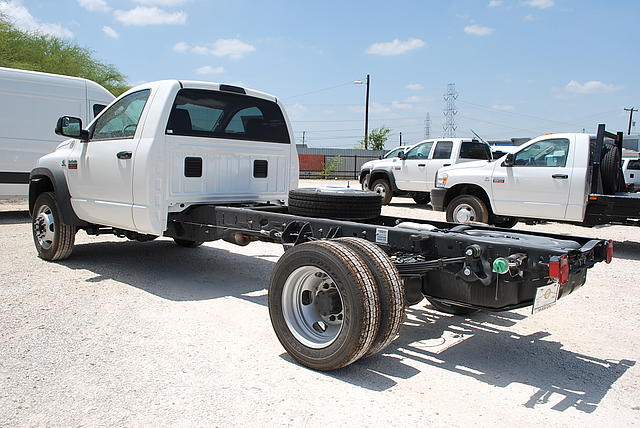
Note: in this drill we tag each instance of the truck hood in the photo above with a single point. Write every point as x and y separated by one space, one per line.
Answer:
380 163
480 164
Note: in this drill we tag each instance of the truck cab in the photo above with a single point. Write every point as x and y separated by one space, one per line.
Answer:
413 171
166 145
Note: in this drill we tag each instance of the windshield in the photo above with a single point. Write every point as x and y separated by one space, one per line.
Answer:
393 153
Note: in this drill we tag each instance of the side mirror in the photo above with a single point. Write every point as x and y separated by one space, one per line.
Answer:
402 155
508 161
71 127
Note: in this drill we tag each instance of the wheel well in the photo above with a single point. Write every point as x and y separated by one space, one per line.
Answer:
37 185
377 176
467 189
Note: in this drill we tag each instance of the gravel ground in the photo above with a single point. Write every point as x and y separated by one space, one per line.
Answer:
127 333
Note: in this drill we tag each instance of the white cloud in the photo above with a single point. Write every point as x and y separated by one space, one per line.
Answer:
502 107
233 48
395 47
22 18
143 15
529 18
110 32
478 30
181 47
591 87
540 4
207 69
95 5
161 2
414 87
415 100
399 105
495 3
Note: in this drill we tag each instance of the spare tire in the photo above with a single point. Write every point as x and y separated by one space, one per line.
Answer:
611 170
335 203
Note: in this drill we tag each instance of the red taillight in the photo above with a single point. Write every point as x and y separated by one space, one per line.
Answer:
609 256
559 268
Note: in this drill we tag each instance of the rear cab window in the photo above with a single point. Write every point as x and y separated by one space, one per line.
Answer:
217 114
474 150
634 165
443 150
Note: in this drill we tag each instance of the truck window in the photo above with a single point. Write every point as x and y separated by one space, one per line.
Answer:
97 108
393 153
634 165
474 150
121 120
420 151
215 114
552 152
443 150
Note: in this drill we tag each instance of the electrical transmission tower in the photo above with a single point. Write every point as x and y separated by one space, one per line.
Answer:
450 111
427 126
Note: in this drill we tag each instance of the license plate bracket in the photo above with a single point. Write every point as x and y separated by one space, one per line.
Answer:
546 297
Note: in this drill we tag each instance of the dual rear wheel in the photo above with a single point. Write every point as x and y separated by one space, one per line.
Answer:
334 302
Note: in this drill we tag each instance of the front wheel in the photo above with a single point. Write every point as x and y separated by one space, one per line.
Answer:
383 188
467 209
53 239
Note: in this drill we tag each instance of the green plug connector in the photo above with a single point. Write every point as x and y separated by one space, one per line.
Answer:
500 266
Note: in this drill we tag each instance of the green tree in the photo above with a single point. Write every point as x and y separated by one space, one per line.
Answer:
377 138
38 52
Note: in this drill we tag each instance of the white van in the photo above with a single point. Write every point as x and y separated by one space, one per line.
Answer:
30 104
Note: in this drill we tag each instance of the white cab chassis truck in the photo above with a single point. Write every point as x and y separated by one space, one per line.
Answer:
412 172
571 178
197 161
31 103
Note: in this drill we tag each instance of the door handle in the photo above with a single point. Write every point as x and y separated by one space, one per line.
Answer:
447 164
421 164
564 176
123 155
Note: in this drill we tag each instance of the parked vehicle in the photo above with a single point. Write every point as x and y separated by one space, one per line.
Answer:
197 161
631 170
31 103
574 178
413 173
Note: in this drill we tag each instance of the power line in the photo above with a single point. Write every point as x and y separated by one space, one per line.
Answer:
317 90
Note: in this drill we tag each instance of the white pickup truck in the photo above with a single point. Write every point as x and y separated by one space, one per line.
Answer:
413 172
574 178
198 161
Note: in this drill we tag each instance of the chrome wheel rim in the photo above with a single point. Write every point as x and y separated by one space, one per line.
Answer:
312 307
464 213
44 227
380 190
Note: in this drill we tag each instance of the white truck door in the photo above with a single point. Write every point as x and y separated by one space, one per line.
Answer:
100 171
440 157
538 183
413 170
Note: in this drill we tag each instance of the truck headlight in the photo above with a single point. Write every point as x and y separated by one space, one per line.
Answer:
441 179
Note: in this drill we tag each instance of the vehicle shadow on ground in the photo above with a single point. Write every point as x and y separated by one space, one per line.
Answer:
175 273
481 348
628 250
14 217
426 207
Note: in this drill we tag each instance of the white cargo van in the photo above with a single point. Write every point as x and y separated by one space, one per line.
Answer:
30 103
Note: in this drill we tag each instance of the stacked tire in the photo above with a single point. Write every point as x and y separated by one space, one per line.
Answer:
335 203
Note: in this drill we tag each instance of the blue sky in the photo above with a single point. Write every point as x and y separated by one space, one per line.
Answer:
521 67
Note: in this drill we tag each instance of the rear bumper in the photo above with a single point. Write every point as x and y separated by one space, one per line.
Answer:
437 198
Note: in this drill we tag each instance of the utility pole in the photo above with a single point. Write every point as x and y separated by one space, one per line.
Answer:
630 110
400 138
427 127
450 111
366 110
366 116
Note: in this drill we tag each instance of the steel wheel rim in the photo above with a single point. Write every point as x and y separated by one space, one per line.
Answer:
380 190
464 213
312 307
44 227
